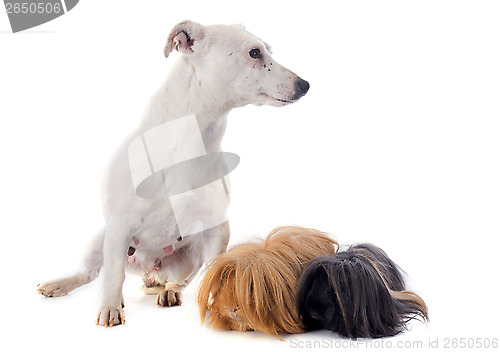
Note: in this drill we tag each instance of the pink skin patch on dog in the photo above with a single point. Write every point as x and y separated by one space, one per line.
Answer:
168 250
131 260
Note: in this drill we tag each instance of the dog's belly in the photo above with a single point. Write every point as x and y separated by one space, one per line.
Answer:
149 247
148 261
158 234
155 237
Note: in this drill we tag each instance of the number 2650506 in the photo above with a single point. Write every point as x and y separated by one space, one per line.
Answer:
31 7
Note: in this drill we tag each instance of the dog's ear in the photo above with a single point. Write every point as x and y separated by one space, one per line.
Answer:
184 37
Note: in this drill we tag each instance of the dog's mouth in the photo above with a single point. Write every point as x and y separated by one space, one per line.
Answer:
284 101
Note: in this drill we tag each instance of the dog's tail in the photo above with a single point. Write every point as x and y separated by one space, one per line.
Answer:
358 292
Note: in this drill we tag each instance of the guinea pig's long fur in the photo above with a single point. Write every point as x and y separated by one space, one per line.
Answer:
252 286
358 292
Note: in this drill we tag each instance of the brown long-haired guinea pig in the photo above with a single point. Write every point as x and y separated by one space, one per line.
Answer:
252 286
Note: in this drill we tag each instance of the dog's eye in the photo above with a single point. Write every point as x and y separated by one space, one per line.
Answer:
254 53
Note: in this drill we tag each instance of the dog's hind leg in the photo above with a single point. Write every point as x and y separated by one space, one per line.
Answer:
183 265
181 268
92 263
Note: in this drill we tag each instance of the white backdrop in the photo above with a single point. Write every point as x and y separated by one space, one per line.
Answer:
396 143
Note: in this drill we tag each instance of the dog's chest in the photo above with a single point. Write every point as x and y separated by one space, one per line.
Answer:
155 230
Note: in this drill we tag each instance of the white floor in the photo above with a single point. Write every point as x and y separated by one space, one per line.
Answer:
396 143
59 323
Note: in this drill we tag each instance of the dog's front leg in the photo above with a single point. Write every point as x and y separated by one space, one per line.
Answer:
110 311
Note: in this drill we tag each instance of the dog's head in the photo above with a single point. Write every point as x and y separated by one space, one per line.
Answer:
252 286
235 64
358 293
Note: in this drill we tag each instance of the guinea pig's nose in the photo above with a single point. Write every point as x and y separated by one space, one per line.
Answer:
301 88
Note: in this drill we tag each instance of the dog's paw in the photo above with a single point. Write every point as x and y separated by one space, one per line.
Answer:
169 298
152 290
150 281
56 288
109 317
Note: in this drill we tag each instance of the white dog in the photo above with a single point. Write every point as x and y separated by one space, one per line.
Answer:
221 68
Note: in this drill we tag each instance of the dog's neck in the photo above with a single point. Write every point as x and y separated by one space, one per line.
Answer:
184 94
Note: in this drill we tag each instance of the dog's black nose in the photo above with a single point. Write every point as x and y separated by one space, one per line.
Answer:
301 88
